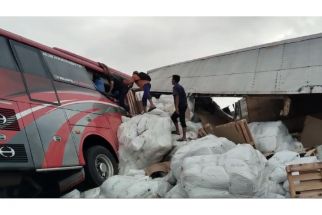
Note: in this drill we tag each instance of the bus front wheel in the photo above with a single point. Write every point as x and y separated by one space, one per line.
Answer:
100 165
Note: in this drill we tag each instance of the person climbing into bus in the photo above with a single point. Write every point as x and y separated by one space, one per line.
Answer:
99 83
142 80
180 103
116 87
120 90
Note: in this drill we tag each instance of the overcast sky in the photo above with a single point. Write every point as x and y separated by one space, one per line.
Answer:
143 43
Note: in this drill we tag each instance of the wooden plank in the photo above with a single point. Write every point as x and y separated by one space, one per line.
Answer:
137 104
307 176
130 101
244 131
291 185
247 131
310 194
308 185
251 139
133 103
310 152
304 167
239 128
243 125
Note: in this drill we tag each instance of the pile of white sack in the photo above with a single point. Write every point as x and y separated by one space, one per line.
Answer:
133 185
144 140
273 137
209 167
213 167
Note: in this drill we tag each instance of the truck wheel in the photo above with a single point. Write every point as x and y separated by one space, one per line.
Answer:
100 164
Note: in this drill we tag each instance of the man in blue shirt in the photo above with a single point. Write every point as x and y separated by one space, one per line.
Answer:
99 83
180 103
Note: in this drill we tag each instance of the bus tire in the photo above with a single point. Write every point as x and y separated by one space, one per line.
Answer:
100 164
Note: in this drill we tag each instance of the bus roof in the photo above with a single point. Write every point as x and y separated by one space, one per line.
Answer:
61 53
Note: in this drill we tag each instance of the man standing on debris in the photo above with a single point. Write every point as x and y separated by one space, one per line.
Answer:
180 103
142 80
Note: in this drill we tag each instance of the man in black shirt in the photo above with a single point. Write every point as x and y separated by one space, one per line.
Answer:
120 90
180 103
116 87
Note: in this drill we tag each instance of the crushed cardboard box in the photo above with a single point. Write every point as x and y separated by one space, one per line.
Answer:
158 169
237 132
311 135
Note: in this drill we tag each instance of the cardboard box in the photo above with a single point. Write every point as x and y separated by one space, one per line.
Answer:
158 167
238 131
261 108
312 132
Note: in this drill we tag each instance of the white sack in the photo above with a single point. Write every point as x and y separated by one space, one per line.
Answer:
92 193
133 187
170 178
283 157
206 175
272 196
273 137
177 192
286 186
165 103
72 195
248 154
207 145
200 192
273 187
275 168
279 174
233 173
144 140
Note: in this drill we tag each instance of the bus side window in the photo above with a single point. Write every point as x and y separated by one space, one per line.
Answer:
67 71
10 77
37 79
6 58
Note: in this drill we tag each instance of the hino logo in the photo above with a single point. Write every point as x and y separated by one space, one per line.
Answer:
3 119
7 152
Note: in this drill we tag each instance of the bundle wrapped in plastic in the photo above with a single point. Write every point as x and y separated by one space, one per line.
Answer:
221 173
207 145
206 175
72 194
192 129
121 186
177 192
165 103
244 165
92 193
273 137
144 140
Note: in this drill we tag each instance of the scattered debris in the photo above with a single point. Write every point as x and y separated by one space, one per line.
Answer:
214 163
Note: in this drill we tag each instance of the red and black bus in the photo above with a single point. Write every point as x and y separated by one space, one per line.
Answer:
56 129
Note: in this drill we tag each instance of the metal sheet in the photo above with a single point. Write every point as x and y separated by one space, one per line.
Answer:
286 67
292 80
270 58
